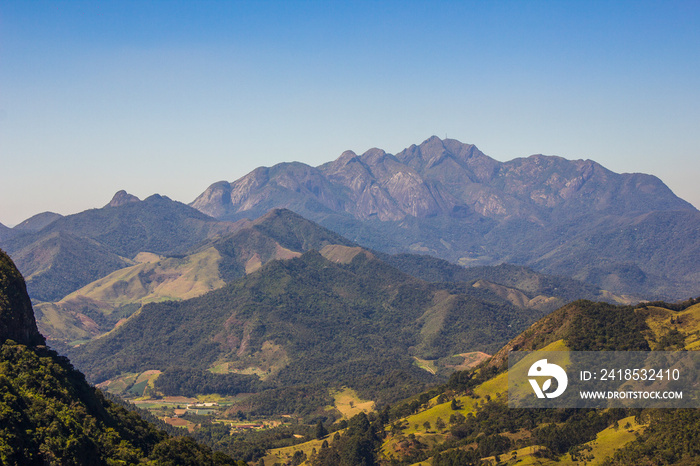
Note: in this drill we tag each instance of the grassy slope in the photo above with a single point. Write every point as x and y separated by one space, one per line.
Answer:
152 281
349 403
607 441
661 321
611 439
495 388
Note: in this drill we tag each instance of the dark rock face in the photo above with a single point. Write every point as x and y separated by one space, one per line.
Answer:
16 315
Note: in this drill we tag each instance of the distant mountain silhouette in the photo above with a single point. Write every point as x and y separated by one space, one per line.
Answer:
448 199
38 221
72 251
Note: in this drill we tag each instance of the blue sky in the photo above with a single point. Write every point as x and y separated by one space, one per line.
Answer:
168 97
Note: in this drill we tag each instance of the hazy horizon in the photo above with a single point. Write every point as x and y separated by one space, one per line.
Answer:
169 97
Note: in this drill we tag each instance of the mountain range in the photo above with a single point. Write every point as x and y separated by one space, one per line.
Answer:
61 254
627 233
339 314
98 306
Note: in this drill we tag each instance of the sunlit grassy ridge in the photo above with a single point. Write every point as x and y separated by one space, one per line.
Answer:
664 323
99 306
282 455
608 441
348 403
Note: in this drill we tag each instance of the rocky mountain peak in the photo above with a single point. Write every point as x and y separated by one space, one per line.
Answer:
16 314
340 163
214 200
374 156
121 198
346 157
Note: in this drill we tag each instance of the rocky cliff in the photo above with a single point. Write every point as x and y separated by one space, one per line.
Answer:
16 315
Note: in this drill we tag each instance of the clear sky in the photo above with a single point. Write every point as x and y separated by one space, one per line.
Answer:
168 97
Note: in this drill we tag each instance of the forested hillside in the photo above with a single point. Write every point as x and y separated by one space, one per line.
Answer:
50 415
467 421
355 322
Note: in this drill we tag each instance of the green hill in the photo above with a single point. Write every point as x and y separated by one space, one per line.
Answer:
352 321
37 222
520 285
50 415
98 306
157 224
466 421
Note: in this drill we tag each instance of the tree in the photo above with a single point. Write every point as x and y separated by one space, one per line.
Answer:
439 424
321 430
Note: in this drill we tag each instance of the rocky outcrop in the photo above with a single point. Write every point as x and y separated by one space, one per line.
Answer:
16 315
121 198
